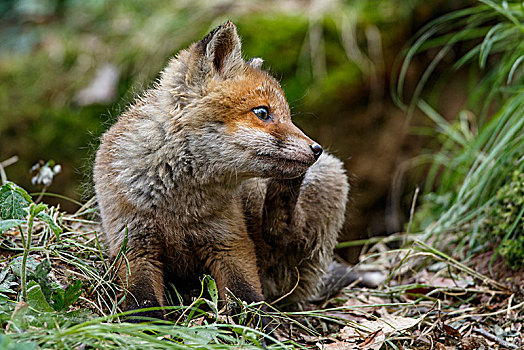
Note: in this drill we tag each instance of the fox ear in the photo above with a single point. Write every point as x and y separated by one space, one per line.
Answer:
222 49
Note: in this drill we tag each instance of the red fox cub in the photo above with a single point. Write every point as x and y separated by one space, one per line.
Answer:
208 175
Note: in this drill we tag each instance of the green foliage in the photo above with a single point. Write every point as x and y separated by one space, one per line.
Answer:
40 274
13 203
9 224
6 343
53 293
504 218
51 50
513 252
40 312
6 283
63 298
50 222
43 293
212 289
471 175
505 211
17 209
15 266
36 298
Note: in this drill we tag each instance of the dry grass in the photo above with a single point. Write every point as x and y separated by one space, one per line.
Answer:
429 300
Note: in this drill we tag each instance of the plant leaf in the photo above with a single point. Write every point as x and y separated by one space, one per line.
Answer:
196 336
8 344
9 224
64 298
36 298
19 313
13 201
6 282
41 276
52 224
213 292
36 209
16 266
212 289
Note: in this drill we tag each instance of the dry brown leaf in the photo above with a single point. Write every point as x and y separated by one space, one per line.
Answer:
366 306
451 331
473 343
440 346
427 277
347 315
374 341
388 324
339 345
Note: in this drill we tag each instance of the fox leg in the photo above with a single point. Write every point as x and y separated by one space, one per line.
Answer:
143 275
233 266
301 219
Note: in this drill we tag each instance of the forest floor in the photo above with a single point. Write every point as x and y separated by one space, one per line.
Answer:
428 300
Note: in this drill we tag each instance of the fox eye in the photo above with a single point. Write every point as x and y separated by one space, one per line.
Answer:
262 113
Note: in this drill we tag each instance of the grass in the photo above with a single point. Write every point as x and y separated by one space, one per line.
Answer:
426 297
58 290
44 270
483 146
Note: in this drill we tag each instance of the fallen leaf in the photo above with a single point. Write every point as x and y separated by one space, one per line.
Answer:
365 304
473 343
415 293
425 277
348 315
388 324
451 331
339 345
374 341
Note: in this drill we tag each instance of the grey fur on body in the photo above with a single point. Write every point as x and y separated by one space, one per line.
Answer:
249 207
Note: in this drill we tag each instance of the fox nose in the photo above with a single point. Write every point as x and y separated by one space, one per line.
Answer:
317 149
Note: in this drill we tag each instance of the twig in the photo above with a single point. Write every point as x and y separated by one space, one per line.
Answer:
494 338
9 161
291 291
463 267
3 176
425 332
188 308
412 212
491 313
41 194
509 305
5 164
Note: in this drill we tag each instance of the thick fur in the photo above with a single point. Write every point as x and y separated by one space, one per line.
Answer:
204 186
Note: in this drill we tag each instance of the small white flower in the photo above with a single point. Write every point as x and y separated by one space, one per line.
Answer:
44 173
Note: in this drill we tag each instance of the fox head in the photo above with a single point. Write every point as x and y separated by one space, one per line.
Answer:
238 115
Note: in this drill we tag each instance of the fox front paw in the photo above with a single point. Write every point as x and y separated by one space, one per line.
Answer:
142 310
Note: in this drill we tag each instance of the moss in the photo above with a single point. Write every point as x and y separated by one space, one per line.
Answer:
505 212
513 252
280 47
504 219
45 61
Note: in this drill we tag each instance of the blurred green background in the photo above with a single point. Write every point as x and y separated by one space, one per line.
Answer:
69 67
